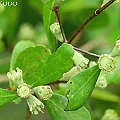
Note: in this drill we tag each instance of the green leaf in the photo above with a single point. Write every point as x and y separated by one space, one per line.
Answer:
29 60
19 47
47 3
6 97
53 69
56 104
81 87
48 19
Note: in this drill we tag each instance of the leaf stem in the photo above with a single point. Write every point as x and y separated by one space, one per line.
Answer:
96 13
86 52
56 10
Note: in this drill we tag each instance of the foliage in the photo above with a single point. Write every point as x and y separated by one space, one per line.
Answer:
81 86
45 61
56 105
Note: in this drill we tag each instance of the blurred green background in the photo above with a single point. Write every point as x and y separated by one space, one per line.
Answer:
24 22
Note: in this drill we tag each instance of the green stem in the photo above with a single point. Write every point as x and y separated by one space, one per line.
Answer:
56 10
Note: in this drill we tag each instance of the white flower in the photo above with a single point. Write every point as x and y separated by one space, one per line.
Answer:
55 29
107 63
34 104
15 76
23 90
80 61
43 92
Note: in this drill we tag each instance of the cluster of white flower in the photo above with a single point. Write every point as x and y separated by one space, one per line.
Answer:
106 62
24 91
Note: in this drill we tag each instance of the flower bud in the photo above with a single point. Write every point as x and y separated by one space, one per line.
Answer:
107 63
101 82
110 114
34 104
55 29
23 90
116 49
43 92
15 77
80 61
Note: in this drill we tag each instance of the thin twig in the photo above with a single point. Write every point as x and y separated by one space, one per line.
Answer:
96 13
86 52
56 10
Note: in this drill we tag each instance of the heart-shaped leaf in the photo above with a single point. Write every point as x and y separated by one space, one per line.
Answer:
81 87
19 47
53 69
6 97
29 60
56 104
